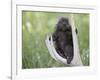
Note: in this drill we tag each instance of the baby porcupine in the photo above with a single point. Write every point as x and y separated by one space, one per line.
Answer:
63 39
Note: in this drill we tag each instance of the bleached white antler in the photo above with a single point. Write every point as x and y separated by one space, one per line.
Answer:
53 53
76 59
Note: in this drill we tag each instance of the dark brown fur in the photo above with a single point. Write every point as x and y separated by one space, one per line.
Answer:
63 39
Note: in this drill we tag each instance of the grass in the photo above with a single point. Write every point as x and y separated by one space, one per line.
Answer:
36 26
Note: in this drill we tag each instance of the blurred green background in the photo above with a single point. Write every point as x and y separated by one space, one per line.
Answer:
37 25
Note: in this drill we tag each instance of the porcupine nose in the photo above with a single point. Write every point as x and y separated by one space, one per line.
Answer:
64 24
